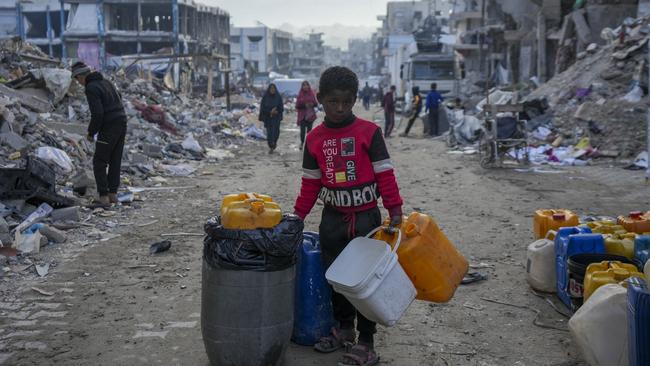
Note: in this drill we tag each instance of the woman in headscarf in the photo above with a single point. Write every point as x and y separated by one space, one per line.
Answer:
306 104
271 110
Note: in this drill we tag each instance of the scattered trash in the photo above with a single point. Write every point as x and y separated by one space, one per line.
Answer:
125 197
56 156
472 277
42 270
160 247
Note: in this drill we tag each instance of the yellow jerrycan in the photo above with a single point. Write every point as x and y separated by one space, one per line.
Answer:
620 244
545 220
603 273
636 222
433 264
248 211
605 227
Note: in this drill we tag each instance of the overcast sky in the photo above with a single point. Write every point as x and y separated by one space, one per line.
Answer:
302 12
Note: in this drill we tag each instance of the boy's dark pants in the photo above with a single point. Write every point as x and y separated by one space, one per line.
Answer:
108 153
433 122
389 118
305 128
334 237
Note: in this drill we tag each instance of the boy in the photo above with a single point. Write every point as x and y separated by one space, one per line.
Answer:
431 106
346 165
388 103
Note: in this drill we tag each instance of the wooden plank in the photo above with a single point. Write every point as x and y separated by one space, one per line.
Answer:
30 101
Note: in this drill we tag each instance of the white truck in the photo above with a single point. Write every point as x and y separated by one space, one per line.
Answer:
423 69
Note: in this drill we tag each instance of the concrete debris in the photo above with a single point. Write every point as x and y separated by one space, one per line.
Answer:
46 174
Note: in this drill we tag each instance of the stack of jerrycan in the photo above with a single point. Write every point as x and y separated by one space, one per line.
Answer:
606 272
237 327
545 220
638 302
433 264
246 211
570 241
313 318
636 222
642 249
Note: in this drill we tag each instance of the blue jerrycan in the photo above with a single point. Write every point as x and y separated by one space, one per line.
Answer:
638 317
313 316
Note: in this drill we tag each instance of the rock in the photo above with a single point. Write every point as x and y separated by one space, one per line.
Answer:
82 181
620 65
592 48
4 226
153 151
53 234
137 158
13 140
581 55
66 214
611 74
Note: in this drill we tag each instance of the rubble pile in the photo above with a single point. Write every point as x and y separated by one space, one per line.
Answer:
603 95
46 159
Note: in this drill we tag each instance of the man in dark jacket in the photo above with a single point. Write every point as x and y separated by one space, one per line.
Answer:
388 103
108 122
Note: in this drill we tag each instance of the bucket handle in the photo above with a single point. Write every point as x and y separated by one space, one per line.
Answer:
399 237
397 243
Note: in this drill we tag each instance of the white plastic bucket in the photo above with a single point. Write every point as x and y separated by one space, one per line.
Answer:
540 266
369 275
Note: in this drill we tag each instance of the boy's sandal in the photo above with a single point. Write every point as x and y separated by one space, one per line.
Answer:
339 338
359 355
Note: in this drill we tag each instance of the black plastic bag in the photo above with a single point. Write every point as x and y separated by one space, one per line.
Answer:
264 250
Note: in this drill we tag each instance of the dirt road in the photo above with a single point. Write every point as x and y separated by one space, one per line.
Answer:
112 303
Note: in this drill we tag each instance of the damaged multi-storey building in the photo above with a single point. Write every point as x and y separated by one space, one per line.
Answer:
512 41
111 34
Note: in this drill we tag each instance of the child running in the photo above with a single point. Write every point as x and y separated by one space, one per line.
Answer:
346 164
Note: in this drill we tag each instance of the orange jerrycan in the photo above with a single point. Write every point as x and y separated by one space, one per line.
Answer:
248 211
545 220
433 264
636 222
603 273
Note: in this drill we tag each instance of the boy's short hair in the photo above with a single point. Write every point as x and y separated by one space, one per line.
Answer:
434 86
338 78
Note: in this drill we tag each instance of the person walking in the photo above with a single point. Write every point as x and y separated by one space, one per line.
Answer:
108 122
388 103
432 105
306 106
271 112
416 107
366 93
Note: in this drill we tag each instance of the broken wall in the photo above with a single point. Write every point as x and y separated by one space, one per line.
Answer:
609 15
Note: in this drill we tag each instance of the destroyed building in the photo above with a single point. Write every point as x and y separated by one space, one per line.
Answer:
96 31
260 49
308 57
510 41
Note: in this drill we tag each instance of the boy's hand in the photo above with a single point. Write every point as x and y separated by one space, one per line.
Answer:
395 222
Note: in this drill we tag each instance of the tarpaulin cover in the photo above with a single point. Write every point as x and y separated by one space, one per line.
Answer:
264 250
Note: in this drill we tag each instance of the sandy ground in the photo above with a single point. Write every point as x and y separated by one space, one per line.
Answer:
112 303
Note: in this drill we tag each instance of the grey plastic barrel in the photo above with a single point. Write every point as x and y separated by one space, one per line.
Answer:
246 316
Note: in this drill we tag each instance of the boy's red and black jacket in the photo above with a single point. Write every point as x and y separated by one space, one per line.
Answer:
348 167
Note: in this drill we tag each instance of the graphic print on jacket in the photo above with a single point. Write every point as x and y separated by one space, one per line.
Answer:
348 168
